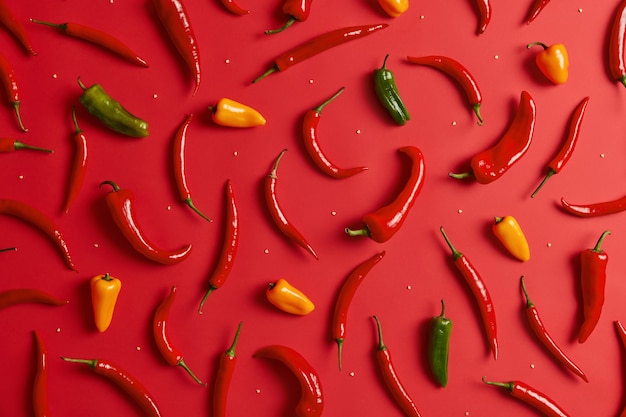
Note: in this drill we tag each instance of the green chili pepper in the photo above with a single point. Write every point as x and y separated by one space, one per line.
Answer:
439 347
388 95
111 112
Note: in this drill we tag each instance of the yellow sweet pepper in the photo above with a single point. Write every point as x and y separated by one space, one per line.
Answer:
553 61
510 234
227 112
288 298
394 8
104 292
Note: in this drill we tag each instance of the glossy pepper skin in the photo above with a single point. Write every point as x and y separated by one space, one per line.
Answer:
13 24
18 296
12 89
596 209
230 113
296 11
394 8
223 377
535 9
531 396
8 145
234 8
105 290
510 234
439 346
484 15
388 95
288 298
40 383
617 45
78 169
553 61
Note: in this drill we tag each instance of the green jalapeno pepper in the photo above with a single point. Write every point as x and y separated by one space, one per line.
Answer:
110 112
388 95
439 346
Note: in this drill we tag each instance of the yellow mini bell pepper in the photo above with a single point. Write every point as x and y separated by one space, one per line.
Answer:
394 8
104 292
288 298
553 61
227 112
510 234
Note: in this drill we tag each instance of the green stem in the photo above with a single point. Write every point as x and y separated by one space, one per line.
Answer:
60 26
289 22
443 309
461 175
16 108
265 74
600 240
8 249
90 362
357 232
111 183
189 202
455 253
19 145
476 108
506 385
543 45
274 171
529 303
77 130
339 351
206 295
381 344
183 365
550 173
319 108
231 350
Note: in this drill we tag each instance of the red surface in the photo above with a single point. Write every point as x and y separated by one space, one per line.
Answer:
404 290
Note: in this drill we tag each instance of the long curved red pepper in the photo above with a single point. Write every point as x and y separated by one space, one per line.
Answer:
567 149
130 385
14 25
233 7
230 245
480 292
535 9
8 145
595 209
344 298
79 165
484 14
180 174
456 71
540 332
40 382
311 403
160 331
224 374
41 221
311 144
11 89
383 223
391 379
617 44
296 11
531 396
319 44
490 164
121 204
175 19
276 212
19 296
592 281
621 334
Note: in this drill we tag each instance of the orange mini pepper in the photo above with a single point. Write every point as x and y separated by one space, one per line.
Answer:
394 8
104 292
510 234
288 298
553 61
227 112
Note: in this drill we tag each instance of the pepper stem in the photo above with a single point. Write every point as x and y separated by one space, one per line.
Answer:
90 362
206 295
443 309
506 385
265 74
61 26
600 240
189 202
231 350
319 108
289 22
529 303
273 173
339 350
7 249
111 183
80 83
107 277
550 173
183 365
543 45
476 108
461 175
381 344
19 145
77 130
357 232
16 108
455 253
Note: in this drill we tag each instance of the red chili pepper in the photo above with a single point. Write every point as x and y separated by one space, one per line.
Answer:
617 44
484 13
11 88
233 7
276 212
595 209
489 165
535 9
312 146
160 331
391 379
480 292
225 370
130 385
41 221
11 145
346 294
14 25
180 142
319 44
311 403
79 165
567 149
383 223
40 383
540 332
230 244
529 395
175 19
592 280
296 11
19 296
97 37
456 71
621 334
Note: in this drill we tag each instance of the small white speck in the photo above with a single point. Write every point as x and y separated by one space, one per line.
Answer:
95 245
496 57
138 348
155 95
351 374
549 245
408 287
453 123
333 213
422 17
58 330
21 177
55 76
311 81
467 413
266 251
227 61
601 155
235 153
258 391
580 10
358 131
460 211
532 366
169 208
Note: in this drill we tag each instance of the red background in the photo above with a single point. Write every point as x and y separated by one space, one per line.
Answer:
404 290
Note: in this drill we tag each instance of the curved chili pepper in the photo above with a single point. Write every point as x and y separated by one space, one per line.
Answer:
531 396
104 292
276 212
319 44
230 245
388 95
311 403
79 165
11 89
348 289
177 24
160 331
311 144
121 205
130 385
621 334
553 61
439 346
19 296
617 44
510 234
489 165
535 9
284 296
97 37
227 112
11 145
383 223
480 292
456 71
391 379
484 13
14 25
296 11
567 149
233 7
592 281
40 382
224 374
180 175
540 332
41 221
595 209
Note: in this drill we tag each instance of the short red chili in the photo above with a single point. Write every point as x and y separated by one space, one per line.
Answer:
9 20
617 44
484 15
223 377
79 165
296 11
603 208
8 145
531 396
233 7
18 296
536 8
40 383
12 89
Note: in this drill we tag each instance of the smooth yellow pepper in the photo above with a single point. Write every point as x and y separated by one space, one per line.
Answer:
227 112
509 232
104 292
288 298
553 61
394 8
